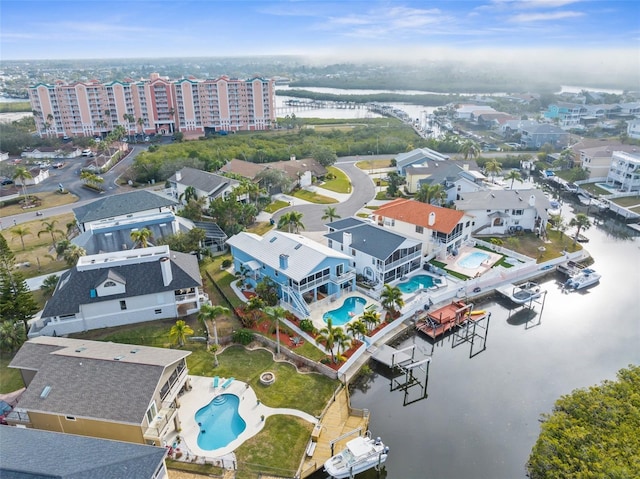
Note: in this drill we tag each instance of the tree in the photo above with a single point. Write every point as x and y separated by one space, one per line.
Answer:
20 231
357 329
267 289
179 332
494 168
11 336
324 155
49 285
271 178
581 222
591 433
73 253
22 174
327 337
470 148
393 186
189 193
141 125
141 237
50 227
276 314
211 313
431 193
370 318
391 299
292 220
568 157
513 175
254 307
342 342
330 214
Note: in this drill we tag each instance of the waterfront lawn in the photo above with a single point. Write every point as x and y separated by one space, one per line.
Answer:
594 189
275 206
277 449
340 183
627 201
312 197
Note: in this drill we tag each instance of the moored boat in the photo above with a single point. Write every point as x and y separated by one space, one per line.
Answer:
526 292
361 454
586 277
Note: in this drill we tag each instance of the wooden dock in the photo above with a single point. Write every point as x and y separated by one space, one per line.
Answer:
339 420
446 318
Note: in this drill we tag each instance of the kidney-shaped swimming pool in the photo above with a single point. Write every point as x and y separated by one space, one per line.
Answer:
219 422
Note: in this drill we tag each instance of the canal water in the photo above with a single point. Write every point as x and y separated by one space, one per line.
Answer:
481 416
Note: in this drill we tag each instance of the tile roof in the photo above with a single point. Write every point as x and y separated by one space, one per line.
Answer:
305 255
122 204
417 213
84 377
74 287
211 183
372 240
82 456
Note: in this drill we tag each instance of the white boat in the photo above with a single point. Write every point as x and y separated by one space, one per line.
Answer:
526 292
361 454
583 279
555 208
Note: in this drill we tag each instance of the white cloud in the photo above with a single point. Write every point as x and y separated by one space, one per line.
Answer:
543 17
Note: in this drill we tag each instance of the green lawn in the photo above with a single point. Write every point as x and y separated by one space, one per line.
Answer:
10 379
275 206
373 164
339 184
627 201
594 189
312 197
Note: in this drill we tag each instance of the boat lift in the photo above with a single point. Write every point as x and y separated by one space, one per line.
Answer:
404 361
473 332
526 309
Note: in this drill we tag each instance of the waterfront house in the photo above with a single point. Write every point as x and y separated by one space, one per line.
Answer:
439 229
418 156
303 270
83 456
454 176
100 389
597 160
122 287
633 129
502 212
206 185
533 137
566 114
377 254
624 172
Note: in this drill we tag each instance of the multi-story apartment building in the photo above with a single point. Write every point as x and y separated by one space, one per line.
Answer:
155 105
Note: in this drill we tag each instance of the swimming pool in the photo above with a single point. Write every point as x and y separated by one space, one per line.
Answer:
219 422
351 307
419 281
473 260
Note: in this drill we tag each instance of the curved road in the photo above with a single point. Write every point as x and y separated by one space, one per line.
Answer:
363 191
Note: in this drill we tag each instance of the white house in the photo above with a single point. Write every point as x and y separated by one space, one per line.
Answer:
123 287
633 129
624 173
206 185
505 211
379 255
38 175
418 156
439 229
597 160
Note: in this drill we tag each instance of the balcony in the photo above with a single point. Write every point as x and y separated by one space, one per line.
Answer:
160 424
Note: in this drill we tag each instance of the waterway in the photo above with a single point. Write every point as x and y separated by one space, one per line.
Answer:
481 417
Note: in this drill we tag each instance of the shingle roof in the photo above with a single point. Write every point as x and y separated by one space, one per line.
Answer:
502 199
123 204
74 287
419 154
211 183
304 254
291 168
86 380
372 240
345 223
417 213
37 454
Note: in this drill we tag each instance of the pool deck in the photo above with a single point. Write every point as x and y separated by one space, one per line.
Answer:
452 261
201 394
318 308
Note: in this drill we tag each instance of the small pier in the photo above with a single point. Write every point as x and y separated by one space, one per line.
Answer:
447 318
403 361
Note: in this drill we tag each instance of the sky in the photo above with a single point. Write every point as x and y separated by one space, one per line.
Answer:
339 30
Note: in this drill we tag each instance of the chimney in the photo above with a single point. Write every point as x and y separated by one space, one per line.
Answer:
284 261
432 218
165 267
346 239
178 175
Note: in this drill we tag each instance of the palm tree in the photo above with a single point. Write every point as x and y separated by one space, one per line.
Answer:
49 285
330 214
141 125
342 342
11 336
22 174
568 157
73 253
470 149
327 337
180 331
141 237
428 193
581 222
357 328
211 313
292 220
494 168
189 193
391 298
71 226
50 227
275 314
370 318
513 175
20 231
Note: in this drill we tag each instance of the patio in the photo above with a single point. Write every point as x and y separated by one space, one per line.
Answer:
453 263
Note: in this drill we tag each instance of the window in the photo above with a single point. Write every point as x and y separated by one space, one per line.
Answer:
330 243
158 311
353 252
123 304
518 212
109 284
419 229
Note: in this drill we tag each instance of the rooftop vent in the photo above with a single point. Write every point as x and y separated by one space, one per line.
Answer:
118 358
79 350
45 392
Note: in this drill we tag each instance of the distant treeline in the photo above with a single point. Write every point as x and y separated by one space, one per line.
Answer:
425 100
15 107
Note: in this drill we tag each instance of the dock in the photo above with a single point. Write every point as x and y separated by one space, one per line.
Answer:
391 357
447 318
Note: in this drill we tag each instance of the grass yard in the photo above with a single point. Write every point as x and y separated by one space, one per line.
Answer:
594 189
627 201
10 379
373 164
312 197
340 183
260 228
275 206
48 199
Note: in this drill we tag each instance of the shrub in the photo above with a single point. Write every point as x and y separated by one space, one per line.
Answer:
307 326
243 336
226 263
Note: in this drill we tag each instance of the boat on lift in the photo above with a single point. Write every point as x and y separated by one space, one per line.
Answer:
361 454
526 292
585 278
